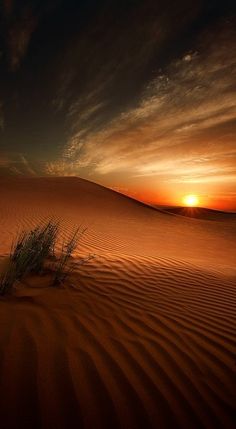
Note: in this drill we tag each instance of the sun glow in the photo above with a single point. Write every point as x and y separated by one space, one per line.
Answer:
191 200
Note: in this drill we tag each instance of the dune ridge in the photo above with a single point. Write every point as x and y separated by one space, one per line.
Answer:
141 337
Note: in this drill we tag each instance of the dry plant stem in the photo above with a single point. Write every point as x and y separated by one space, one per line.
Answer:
67 249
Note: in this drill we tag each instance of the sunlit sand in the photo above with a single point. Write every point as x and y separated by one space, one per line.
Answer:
142 336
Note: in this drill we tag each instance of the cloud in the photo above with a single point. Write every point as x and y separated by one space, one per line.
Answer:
108 64
15 164
182 127
26 167
19 22
1 117
7 6
62 168
18 37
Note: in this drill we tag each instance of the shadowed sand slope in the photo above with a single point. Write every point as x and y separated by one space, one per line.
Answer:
143 336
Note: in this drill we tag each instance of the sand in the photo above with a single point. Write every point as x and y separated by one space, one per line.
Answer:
142 336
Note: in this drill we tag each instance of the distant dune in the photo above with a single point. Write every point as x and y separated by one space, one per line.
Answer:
143 336
199 213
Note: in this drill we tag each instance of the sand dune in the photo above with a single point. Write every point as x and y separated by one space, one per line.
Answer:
201 213
143 336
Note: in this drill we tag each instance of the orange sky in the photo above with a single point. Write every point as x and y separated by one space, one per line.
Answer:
215 197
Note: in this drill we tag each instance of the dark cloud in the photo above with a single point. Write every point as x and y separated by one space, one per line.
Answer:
7 7
18 24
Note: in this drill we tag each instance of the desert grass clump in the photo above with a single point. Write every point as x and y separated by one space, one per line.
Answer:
7 279
28 254
61 267
30 251
32 248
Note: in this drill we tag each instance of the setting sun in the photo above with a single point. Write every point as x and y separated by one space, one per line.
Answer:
191 200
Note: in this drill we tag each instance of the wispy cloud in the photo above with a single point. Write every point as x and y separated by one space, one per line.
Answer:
20 19
182 128
18 33
16 164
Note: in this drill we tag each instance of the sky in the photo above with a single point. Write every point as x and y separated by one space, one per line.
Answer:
137 95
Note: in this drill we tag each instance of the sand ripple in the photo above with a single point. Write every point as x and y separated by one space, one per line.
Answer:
141 337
